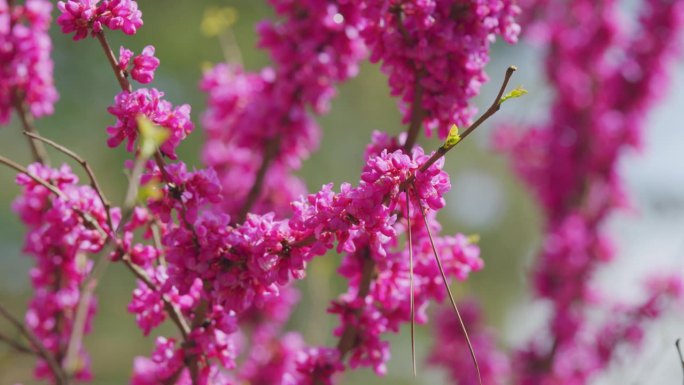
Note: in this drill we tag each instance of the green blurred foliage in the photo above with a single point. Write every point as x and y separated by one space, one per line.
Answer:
363 104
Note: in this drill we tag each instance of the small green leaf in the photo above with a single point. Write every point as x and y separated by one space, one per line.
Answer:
473 238
453 138
150 191
152 136
516 93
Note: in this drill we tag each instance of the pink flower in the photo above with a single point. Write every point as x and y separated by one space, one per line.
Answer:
144 65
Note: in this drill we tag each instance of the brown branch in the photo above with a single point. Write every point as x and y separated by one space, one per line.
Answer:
37 149
121 76
60 377
21 169
271 148
417 115
16 345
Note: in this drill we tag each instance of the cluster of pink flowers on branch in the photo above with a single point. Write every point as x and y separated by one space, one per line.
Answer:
60 239
218 258
435 52
91 16
571 163
25 62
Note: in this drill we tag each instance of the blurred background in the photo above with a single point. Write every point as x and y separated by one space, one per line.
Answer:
486 199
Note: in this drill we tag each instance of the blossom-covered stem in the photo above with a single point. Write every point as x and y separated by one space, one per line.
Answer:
16 345
121 76
193 363
37 148
409 237
85 165
496 105
60 377
271 149
174 313
348 339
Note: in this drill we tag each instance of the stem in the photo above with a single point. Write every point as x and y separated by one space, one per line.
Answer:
37 148
348 339
60 377
18 346
194 364
114 63
21 169
271 148
679 351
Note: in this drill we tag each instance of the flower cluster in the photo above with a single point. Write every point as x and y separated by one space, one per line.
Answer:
448 352
268 110
364 222
91 16
59 238
144 64
436 51
150 103
25 62
571 164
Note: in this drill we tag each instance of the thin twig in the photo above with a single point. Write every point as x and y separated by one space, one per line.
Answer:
86 166
21 169
60 377
16 345
679 351
451 296
37 148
